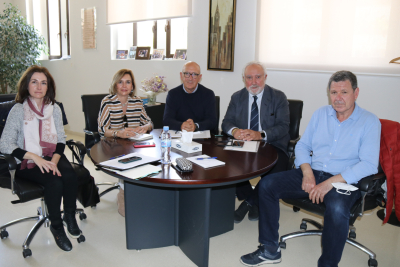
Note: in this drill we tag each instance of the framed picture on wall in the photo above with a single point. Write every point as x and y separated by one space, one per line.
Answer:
132 52
180 54
221 35
143 52
122 54
158 54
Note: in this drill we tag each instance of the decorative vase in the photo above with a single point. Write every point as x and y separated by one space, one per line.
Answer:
151 96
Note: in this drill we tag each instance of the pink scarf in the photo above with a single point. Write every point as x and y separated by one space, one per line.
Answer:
40 135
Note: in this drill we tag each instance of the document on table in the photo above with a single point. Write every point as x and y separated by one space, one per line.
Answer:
248 146
142 137
205 162
115 165
196 135
140 172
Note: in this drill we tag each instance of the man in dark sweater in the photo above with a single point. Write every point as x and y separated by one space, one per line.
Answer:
190 106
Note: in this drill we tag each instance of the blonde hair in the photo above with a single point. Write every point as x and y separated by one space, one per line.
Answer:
117 77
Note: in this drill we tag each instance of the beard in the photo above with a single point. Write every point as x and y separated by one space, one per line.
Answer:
254 89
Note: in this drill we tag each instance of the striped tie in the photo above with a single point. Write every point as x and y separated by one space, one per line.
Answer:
254 115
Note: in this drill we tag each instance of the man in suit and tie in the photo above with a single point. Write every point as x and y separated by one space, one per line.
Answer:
257 112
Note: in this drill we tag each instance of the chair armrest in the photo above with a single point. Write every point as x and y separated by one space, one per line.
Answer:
78 150
96 135
292 145
365 185
367 182
12 166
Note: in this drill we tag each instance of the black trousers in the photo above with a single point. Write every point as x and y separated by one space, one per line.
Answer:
55 188
244 190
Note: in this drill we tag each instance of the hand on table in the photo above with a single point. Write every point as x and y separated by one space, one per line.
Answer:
247 135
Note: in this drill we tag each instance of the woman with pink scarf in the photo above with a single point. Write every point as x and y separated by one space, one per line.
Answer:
34 135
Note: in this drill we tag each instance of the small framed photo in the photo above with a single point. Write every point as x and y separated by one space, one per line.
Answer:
143 52
180 54
132 52
158 54
122 54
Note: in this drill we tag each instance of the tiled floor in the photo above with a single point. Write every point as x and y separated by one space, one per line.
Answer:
105 240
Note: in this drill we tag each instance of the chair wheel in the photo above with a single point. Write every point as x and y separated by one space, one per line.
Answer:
26 253
282 245
82 216
81 239
352 235
4 234
303 226
372 263
296 209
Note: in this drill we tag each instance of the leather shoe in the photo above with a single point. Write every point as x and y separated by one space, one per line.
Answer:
253 213
61 238
70 223
241 212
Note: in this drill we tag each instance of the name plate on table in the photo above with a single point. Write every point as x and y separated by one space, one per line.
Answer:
186 147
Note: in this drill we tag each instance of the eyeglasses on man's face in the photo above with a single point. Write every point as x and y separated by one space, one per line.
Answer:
193 74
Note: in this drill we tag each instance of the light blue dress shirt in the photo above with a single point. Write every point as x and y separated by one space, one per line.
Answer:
350 148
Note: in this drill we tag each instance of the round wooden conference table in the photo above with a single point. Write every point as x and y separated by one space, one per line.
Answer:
183 209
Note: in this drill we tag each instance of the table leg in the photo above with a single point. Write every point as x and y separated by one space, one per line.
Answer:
149 216
194 224
204 213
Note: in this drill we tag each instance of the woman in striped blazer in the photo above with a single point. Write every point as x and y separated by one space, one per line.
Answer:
122 114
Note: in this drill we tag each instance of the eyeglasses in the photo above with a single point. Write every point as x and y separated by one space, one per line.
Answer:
125 119
188 74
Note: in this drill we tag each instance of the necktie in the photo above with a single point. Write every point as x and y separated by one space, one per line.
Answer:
254 115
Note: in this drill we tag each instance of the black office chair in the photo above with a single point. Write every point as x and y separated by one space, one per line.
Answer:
91 108
296 113
371 194
217 101
28 190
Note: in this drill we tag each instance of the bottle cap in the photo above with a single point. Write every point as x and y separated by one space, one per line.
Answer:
166 128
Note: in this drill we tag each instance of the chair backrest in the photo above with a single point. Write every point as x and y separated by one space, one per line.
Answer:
7 97
156 114
296 113
217 100
91 108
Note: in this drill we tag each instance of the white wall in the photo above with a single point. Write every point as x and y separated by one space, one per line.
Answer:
90 71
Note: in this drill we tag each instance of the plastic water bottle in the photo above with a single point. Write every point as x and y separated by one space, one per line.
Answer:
165 146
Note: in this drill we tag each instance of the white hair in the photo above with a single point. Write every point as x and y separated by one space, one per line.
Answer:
254 63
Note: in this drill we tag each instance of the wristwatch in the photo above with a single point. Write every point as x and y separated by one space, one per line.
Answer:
262 134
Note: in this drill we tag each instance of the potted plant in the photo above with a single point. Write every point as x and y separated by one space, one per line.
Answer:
20 46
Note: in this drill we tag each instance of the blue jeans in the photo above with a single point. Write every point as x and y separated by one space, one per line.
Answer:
336 219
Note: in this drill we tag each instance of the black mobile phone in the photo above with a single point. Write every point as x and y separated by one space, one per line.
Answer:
131 159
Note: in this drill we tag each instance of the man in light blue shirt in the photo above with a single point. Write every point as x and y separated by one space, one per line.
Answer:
340 144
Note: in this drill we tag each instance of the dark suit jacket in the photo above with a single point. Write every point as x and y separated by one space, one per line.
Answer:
274 115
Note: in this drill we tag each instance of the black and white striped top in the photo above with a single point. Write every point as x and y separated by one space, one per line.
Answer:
111 114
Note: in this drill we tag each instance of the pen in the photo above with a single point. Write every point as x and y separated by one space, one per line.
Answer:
206 158
118 156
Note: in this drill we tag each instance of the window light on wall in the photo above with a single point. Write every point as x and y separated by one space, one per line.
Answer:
328 35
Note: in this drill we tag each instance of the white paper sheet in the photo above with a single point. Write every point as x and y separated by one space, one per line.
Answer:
249 146
142 137
140 172
113 163
206 163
